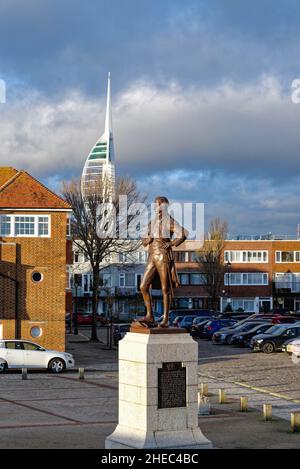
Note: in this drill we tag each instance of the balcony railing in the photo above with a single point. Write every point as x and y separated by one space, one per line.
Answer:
269 236
287 287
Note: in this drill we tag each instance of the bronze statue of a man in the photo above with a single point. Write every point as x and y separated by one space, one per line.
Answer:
160 271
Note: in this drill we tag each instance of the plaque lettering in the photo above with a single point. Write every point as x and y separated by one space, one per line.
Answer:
171 385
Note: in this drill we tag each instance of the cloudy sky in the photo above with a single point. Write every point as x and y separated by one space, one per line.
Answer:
202 107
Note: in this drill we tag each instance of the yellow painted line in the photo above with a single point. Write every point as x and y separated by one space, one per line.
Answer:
254 388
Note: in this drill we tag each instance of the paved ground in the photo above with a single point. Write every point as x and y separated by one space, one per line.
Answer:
49 411
275 373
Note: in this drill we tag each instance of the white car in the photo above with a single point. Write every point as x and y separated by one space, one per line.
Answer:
26 354
292 347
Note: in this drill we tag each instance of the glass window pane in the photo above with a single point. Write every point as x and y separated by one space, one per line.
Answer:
24 226
130 280
287 256
122 280
264 256
198 279
184 279
43 226
5 225
278 256
29 346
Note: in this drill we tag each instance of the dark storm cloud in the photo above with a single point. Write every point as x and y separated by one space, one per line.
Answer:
201 93
54 44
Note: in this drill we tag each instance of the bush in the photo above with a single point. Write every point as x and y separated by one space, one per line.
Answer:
228 308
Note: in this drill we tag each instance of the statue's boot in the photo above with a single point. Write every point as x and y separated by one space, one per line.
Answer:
147 318
164 322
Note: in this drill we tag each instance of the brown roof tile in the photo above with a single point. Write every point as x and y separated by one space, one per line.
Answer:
6 173
18 189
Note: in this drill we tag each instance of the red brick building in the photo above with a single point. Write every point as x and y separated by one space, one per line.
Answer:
34 258
262 274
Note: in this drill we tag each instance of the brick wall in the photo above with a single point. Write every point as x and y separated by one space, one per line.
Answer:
41 304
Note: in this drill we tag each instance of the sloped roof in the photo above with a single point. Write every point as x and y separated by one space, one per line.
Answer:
6 173
18 189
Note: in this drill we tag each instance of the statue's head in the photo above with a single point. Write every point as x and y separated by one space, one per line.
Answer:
161 204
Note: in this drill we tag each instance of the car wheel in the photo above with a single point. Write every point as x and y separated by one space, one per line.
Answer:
2 367
268 347
56 365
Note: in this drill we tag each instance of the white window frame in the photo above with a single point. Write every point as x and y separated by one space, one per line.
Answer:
36 226
122 276
89 280
142 257
244 279
69 226
278 255
287 280
228 256
137 275
109 276
10 222
242 302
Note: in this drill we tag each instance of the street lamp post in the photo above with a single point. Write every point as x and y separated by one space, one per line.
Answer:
228 267
76 306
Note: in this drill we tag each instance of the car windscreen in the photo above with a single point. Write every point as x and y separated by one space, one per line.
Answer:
200 320
246 327
265 327
276 330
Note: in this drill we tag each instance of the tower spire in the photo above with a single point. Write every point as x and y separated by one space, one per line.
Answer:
100 161
108 121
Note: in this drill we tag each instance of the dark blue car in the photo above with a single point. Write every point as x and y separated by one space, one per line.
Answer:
215 325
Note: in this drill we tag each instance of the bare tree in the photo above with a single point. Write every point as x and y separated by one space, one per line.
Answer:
211 261
97 225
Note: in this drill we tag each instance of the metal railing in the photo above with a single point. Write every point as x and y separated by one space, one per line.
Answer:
265 237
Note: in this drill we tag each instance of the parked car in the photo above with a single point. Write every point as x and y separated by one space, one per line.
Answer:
190 312
187 322
272 318
242 339
177 320
236 316
281 311
223 336
292 346
157 316
27 354
198 326
216 324
284 319
83 319
120 331
275 337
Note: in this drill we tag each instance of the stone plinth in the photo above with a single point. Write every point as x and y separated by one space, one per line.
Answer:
142 424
